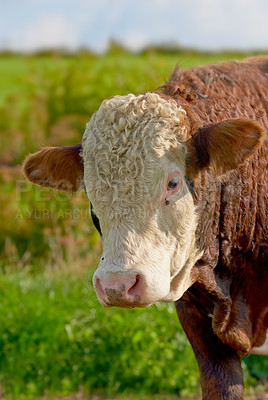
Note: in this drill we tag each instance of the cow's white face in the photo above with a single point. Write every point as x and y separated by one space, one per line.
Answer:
134 167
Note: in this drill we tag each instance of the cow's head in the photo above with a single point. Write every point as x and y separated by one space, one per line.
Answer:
133 161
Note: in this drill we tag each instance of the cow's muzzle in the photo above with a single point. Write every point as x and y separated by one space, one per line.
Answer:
120 290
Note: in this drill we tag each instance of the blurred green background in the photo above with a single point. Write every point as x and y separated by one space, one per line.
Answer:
54 336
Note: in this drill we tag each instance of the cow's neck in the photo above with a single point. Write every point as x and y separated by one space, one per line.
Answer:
207 195
231 327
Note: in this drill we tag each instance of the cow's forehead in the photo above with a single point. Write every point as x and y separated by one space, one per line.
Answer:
128 121
124 141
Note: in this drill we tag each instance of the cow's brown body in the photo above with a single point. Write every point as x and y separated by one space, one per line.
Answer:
178 183
228 305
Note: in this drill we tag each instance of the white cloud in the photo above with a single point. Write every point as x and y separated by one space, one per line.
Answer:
135 40
50 31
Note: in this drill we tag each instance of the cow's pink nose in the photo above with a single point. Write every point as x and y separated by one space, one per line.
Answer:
119 292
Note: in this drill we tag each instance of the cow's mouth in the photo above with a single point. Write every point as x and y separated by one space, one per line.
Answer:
123 304
116 298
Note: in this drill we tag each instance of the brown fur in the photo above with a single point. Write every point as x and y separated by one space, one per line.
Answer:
232 276
59 168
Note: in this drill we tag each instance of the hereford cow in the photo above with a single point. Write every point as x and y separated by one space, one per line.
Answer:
177 182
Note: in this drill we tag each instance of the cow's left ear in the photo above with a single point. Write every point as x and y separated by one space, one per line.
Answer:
223 146
59 168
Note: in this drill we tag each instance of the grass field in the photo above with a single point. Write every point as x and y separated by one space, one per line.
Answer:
54 336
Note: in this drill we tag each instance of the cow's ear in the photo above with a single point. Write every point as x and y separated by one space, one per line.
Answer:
223 146
59 168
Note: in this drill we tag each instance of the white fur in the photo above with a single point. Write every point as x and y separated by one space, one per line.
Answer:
130 146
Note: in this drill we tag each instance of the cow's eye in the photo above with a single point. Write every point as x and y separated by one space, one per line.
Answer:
172 184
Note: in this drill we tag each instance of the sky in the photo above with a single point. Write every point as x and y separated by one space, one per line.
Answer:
29 25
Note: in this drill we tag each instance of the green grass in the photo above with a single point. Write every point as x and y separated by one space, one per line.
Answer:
113 73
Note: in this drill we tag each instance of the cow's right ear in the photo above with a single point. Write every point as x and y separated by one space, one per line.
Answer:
59 168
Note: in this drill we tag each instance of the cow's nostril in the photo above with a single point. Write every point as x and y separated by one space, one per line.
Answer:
132 291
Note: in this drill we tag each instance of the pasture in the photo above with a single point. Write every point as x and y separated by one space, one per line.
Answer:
55 338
